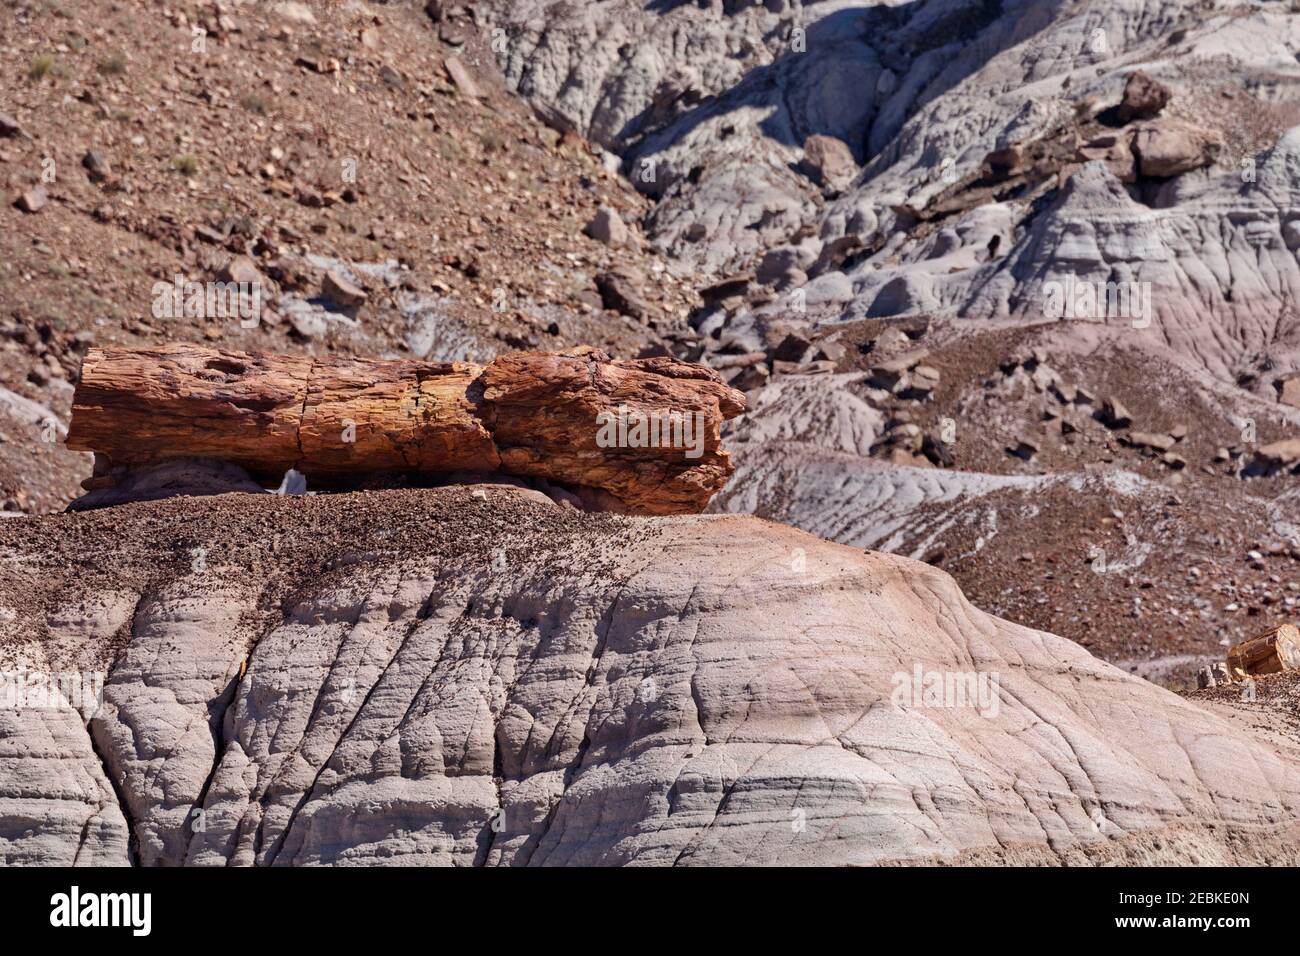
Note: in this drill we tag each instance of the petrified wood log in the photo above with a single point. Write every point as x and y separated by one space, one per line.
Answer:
646 433
1277 649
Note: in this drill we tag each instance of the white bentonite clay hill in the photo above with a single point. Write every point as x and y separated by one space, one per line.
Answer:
479 676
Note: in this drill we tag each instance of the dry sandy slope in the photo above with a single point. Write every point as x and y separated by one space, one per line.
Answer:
463 215
1022 537
356 679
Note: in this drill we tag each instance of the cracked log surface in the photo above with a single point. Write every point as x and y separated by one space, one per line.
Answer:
376 678
528 414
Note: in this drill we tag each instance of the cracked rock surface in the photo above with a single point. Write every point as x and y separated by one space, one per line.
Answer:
470 676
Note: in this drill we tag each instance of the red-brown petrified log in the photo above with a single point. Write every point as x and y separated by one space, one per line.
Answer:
1277 649
528 413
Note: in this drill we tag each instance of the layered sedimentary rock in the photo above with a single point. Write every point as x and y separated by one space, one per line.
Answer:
713 112
1208 271
644 434
449 678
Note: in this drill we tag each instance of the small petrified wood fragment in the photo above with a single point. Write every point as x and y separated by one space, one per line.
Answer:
1277 649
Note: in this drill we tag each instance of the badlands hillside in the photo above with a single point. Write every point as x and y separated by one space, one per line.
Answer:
989 310
478 676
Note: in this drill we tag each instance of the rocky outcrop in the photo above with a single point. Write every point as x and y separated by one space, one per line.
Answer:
1169 148
829 162
476 678
944 103
1276 457
644 434
709 107
920 92
1207 269
1144 97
